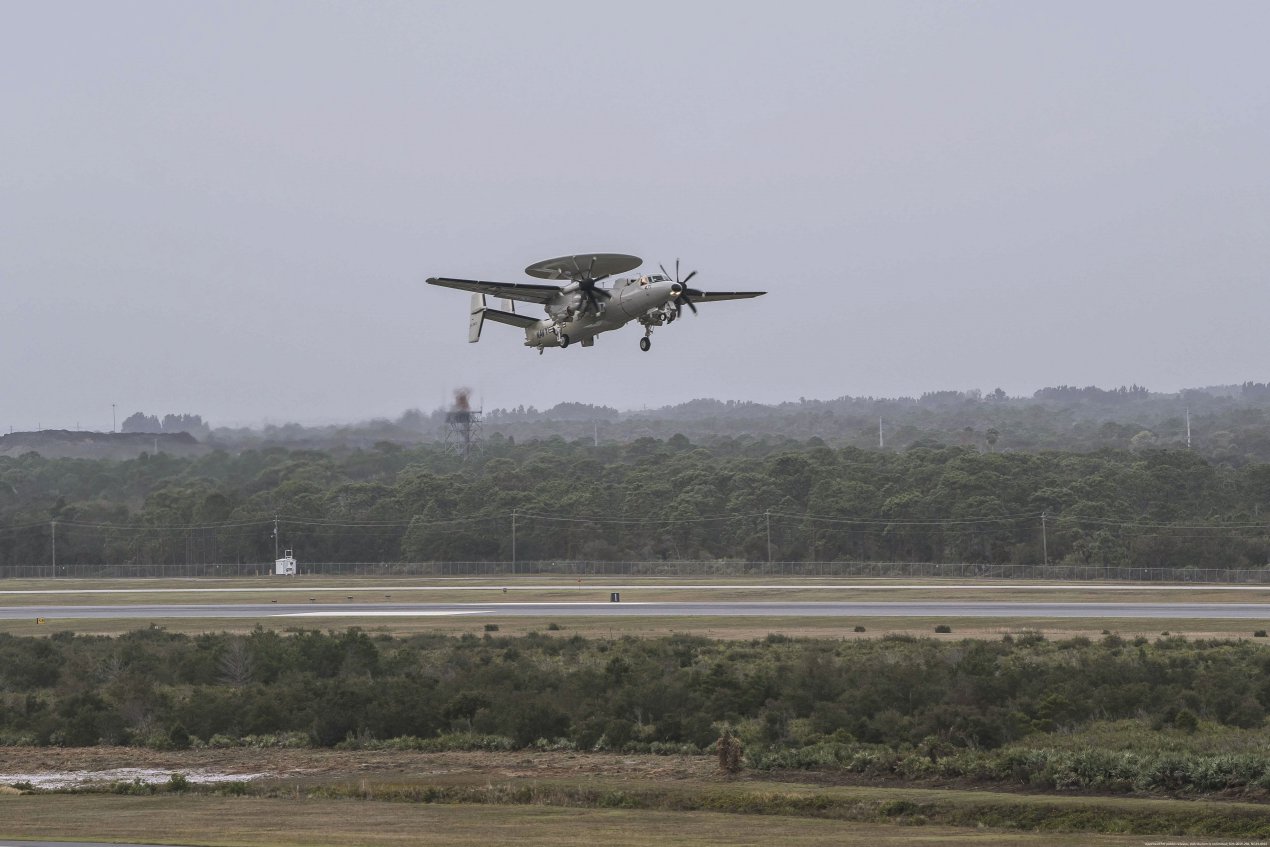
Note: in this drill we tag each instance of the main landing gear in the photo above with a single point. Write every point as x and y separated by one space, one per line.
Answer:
564 341
645 343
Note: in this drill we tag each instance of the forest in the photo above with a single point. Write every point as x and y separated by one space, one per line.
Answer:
1227 424
1011 710
649 500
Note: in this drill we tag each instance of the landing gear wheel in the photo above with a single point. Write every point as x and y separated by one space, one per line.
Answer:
564 341
645 343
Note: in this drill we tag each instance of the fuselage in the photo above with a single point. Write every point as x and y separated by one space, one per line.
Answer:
572 315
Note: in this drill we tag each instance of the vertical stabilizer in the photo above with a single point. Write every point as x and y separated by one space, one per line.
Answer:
477 319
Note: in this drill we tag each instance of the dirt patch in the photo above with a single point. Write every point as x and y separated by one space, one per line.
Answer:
322 765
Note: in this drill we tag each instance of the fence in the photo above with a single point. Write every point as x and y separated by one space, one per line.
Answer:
926 570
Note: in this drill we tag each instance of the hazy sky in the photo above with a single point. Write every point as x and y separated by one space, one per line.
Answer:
231 208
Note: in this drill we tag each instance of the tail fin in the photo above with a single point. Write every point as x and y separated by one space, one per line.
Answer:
477 319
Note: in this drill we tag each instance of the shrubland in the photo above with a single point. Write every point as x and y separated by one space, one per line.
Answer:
1168 715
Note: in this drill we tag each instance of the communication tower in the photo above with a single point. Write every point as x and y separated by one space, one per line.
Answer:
463 431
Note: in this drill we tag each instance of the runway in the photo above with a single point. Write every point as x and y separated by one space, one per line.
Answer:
462 584
899 609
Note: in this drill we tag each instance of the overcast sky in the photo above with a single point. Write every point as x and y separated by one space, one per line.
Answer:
230 209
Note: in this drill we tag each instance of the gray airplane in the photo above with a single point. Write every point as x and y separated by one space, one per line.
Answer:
578 309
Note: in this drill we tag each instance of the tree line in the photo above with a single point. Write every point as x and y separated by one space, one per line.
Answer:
648 500
1227 424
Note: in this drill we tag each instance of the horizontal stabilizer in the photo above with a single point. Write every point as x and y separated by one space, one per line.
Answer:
512 318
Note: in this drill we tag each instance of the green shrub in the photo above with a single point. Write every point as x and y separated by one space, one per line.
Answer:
896 808
943 627
137 787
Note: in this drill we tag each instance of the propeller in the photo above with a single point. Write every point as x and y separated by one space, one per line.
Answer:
682 299
586 284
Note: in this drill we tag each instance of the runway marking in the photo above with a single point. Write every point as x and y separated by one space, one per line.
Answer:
700 608
382 614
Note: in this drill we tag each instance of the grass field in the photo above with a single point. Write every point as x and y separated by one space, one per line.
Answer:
573 589
712 627
326 797
252 822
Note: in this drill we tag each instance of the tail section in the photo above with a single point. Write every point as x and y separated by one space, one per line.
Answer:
477 319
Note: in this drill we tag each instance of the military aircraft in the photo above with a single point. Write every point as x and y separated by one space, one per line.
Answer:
579 309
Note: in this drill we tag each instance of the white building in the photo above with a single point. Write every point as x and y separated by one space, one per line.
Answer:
286 565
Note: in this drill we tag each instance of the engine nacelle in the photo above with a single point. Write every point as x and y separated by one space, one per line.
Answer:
659 316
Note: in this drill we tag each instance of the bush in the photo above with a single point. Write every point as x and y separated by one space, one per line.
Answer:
178 782
729 751
491 627
1261 633
136 788
859 629
179 738
943 627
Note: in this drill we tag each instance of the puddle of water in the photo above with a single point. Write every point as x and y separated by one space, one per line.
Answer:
76 779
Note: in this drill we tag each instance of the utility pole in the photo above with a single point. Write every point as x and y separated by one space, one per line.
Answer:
1045 547
53 524
513 541
275 538
881 443
112 417
768 515
1188 427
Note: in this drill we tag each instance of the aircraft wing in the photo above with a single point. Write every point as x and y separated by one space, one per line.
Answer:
706 296
527 291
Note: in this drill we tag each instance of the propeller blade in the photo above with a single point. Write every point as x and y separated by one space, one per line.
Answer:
663 271
688 302
684 281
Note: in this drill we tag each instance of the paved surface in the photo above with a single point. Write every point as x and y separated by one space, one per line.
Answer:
899 609
879 585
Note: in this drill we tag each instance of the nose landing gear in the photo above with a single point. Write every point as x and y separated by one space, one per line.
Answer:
645 343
